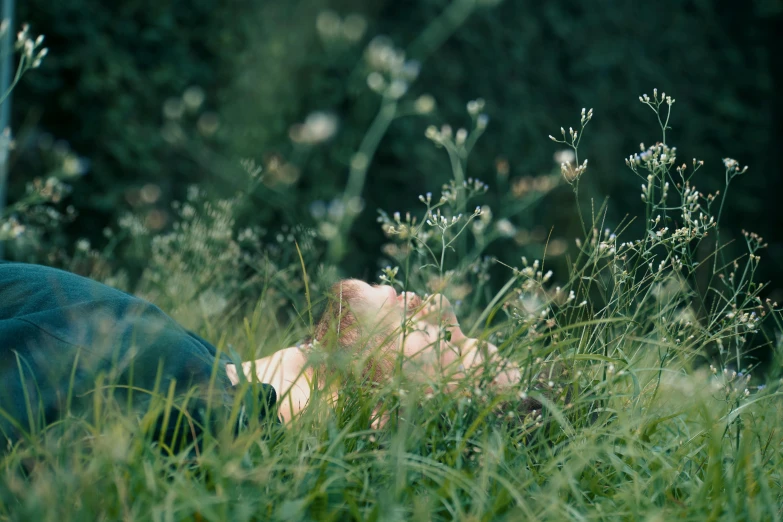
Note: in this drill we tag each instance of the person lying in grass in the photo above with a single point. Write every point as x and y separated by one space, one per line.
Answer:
64 338
383 330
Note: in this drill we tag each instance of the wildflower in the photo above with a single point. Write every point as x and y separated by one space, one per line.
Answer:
327 230
193 97
11 228
29 46
353 27
586 116
397 89
424 104
74 165
475 106
317 128
460 137
208 123
505 228
21 36
328 24
39 58
375 81
381 54
564 156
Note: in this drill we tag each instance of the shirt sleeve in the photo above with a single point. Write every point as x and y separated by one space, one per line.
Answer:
59 332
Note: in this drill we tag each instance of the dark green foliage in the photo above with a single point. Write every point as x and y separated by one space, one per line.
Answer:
263 67
103 90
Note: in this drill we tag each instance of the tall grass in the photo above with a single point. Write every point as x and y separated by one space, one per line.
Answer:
639 400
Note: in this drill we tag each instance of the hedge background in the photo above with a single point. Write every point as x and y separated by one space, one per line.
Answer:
115 69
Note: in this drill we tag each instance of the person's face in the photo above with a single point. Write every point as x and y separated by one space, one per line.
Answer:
381 307
381 303
434 346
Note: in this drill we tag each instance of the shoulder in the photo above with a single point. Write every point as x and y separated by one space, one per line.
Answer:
27 288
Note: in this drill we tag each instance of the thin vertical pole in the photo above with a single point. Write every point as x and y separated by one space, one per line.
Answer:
6 55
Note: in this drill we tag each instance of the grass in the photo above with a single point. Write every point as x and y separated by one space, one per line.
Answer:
653 443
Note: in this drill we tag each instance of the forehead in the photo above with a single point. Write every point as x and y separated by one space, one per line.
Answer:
360 293
350 289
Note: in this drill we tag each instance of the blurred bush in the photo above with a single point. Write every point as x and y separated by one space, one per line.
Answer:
159 95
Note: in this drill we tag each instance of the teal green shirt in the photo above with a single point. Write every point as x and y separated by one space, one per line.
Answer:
59 331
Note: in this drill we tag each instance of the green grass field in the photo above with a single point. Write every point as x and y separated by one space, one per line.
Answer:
641 396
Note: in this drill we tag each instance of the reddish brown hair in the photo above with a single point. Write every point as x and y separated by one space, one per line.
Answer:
338 324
